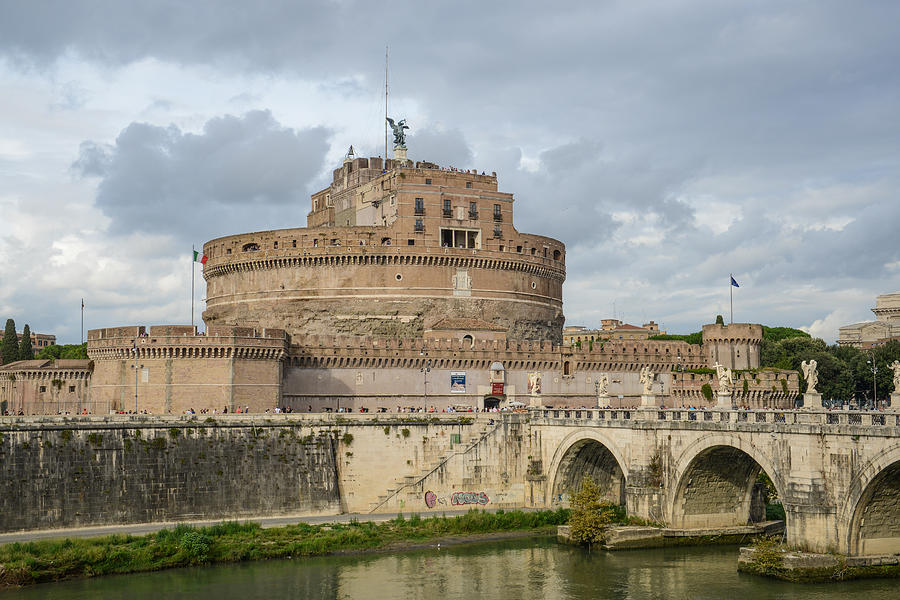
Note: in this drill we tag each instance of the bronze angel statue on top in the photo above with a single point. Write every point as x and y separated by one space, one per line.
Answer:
399 134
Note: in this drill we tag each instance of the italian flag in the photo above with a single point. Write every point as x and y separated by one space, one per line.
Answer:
200 257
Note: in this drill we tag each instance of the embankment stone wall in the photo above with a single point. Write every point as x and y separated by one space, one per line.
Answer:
59 473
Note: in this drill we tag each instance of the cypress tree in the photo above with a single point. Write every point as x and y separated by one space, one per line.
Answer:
26 351
10 346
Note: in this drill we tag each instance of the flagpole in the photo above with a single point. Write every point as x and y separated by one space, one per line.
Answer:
82 321
192 284
731 293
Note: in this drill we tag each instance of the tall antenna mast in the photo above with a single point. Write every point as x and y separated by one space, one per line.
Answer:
385 106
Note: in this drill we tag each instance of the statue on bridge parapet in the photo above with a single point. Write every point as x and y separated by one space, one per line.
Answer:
602 390
647 398
647 380
811 399
811 374
895 395
725 377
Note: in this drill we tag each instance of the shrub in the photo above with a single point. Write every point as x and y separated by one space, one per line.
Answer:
195 546
706 390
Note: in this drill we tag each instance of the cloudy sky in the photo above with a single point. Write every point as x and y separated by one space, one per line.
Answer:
667 143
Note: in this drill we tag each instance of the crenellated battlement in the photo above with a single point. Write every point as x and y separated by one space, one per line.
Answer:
184 342
326 351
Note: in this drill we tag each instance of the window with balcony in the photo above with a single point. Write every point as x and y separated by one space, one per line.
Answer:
498 216
498 231
420 225
420 206
448 210
460 238
473 210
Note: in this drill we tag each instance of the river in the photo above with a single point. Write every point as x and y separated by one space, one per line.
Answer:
521 569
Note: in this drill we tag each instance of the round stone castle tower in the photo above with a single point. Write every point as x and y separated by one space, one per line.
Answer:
393 249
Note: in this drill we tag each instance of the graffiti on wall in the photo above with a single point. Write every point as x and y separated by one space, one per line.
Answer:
459 498
456 499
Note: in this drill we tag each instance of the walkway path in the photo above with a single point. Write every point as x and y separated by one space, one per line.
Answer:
265 522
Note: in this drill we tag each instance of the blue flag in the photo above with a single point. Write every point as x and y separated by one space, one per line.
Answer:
733 282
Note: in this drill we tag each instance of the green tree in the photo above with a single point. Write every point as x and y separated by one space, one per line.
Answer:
10 346
64 352
26 351
590 514
720 320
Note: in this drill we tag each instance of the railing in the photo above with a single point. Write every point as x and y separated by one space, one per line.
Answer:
717 415
498 217
447 213
473 214
419 227
420 210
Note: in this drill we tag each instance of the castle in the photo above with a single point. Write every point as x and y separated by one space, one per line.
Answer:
409 288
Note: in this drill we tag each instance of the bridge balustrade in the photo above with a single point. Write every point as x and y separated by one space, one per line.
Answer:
761 416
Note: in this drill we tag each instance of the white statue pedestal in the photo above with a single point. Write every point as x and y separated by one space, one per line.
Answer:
648 401
400 155
723 400
602 401
895 401
812 401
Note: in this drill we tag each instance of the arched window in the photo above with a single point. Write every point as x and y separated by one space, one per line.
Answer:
566 368
468 341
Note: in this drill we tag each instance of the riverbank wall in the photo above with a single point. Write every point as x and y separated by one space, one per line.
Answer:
64 472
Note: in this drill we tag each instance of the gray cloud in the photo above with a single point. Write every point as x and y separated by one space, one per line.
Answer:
249 170
667 144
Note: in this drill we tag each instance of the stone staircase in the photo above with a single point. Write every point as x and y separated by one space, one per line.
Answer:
474 435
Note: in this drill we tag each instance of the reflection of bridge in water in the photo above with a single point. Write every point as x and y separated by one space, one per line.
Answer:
837 473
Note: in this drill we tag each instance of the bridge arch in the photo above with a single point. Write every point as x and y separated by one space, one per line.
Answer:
872 511
714 479
586 452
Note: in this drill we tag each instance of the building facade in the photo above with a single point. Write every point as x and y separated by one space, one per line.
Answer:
610 329
884 328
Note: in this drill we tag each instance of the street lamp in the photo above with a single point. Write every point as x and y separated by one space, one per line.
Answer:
874 368
425 370
680 368
135 367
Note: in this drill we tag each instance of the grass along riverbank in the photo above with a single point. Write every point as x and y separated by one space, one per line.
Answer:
56 560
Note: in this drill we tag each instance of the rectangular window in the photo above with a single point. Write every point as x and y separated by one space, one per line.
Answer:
447 208
455 438
498 231
420 225
473 210
43 388
420 206
71 388
427 182
519 249
410 242
293 243
275 246
468 185
498 216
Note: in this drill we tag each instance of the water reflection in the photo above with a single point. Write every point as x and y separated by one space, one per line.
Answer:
519 570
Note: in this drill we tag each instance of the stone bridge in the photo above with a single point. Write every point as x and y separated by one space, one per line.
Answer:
836 473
